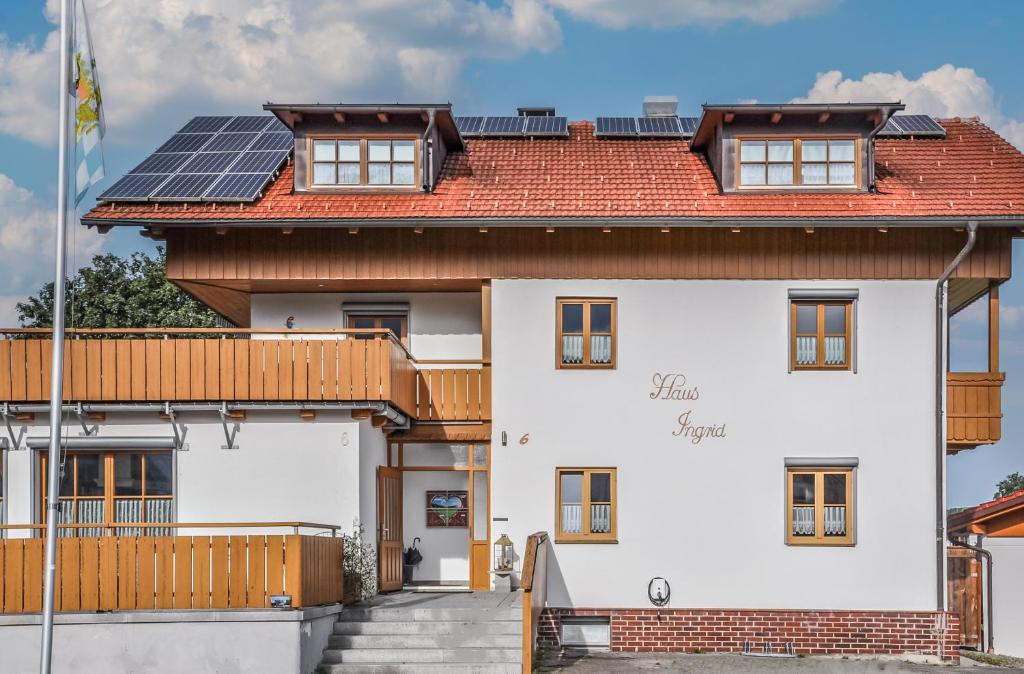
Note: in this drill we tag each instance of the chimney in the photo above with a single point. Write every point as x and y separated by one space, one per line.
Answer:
660 106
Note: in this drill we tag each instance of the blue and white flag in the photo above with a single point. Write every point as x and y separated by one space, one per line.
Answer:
89 124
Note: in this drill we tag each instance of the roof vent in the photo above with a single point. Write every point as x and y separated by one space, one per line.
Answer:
660 106
536 112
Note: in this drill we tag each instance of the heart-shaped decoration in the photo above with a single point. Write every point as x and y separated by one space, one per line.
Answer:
446 502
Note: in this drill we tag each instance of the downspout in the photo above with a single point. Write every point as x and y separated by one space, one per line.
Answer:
988 588
428 150
940 430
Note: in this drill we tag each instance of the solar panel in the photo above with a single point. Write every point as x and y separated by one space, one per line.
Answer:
134 187
211 158
504 126
912 125
689 125
658 126
616 126
237 187
547 126
469 125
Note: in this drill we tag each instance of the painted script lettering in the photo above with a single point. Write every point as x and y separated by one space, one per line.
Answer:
696 432
672 386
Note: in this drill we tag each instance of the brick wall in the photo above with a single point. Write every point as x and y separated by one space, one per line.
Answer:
812 632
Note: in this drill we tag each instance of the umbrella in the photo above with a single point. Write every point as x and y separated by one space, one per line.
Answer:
412 555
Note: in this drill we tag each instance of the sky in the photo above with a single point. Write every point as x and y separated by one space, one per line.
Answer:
163 61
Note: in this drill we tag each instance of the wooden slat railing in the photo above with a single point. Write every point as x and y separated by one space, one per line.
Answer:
203 369
974 412
114 573
454 394
534 582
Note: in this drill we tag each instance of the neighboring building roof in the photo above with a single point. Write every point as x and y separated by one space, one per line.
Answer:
999 507
971 173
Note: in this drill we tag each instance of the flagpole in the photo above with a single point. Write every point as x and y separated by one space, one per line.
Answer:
57 368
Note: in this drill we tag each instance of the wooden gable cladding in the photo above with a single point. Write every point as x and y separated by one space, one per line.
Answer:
240 257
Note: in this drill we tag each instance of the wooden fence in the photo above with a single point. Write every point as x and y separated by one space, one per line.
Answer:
974 412
965 595
534 582
113 573
449 394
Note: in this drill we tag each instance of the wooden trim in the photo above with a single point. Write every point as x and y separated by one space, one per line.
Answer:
993 327
485 321
585 535
819 538
820 335
587 303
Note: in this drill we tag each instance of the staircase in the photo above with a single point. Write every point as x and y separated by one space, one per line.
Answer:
478 633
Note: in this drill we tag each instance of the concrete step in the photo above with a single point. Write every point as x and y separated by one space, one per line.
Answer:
467 639
420 668
394 627
374 614
424 655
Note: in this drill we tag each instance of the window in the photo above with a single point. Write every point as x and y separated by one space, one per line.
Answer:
821 335
585 333
396 323
376 162
104 488
797 162
586 505
819 506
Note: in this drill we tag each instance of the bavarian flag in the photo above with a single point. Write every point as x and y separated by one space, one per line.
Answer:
89 125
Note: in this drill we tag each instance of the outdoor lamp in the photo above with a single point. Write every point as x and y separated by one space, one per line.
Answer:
503 554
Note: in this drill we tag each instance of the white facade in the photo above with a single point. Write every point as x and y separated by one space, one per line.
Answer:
710 516
1008 594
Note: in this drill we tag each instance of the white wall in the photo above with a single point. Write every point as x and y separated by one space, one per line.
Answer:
445 550
1008 591
711 517
441 325
285 469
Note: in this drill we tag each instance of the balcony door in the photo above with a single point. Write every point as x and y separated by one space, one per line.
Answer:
389 528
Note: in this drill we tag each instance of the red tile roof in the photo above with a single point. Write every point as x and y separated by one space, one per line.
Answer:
987 509
971 172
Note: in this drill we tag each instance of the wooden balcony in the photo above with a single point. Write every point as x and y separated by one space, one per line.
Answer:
251 365
974 414
120 573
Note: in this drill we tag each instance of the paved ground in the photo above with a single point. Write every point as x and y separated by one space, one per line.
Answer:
648 663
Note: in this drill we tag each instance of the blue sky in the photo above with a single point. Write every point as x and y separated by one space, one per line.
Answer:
162 62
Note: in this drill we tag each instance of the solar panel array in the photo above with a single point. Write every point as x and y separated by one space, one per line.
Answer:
210 159
921 126
645 127
513 127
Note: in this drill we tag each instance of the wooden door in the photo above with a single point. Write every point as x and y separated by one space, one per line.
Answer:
480 531
389 528
964 581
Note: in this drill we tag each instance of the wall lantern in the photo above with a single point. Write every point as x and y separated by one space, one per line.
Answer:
503 554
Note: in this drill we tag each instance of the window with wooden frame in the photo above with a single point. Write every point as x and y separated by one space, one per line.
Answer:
821 334
586 505
116 487
585 333
396 323
797 162
363 162
819 506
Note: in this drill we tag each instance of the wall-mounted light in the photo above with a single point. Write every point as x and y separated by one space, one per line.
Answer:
504 439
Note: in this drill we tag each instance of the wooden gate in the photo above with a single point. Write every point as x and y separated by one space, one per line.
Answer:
389 528
965 595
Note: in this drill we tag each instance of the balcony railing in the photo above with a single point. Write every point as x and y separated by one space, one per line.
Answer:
126 365
118 573
974 414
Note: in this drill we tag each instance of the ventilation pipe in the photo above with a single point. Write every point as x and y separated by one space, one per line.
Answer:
940 431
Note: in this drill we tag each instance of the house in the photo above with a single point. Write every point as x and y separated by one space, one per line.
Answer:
986 580
693 368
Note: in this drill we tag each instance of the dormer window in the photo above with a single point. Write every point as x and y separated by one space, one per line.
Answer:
767 163
368 162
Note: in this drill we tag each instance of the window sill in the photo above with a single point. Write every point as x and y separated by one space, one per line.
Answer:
584 367
576 541
821 544
362 189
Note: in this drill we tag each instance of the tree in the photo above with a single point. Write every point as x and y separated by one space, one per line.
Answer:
119 292
1013 483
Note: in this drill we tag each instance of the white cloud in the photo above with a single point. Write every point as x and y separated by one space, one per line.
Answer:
157 56
674 13
947 91
27 227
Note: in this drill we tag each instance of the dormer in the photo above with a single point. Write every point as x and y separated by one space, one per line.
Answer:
369 148
797 147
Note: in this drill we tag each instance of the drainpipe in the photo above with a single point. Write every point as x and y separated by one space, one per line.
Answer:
428 149
940 430
988 586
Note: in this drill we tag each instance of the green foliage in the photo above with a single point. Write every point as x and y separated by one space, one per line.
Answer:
359 566
119 292
1014 482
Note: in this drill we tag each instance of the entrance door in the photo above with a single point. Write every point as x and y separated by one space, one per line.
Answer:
389 528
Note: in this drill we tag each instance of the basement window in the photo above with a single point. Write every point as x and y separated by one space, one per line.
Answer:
363 162
586 632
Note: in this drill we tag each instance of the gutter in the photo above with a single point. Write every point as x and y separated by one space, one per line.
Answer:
940 416
988 588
